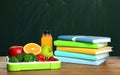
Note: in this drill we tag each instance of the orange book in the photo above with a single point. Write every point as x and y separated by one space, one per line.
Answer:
86 50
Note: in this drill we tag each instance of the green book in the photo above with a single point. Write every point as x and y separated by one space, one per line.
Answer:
79 44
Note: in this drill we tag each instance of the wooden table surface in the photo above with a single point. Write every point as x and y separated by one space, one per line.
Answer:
110 67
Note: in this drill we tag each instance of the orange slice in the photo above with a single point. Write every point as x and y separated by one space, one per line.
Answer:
32 48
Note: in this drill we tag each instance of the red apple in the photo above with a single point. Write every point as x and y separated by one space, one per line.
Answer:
15 50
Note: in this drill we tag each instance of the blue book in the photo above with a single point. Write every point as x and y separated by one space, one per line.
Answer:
80 55
83 38
81 61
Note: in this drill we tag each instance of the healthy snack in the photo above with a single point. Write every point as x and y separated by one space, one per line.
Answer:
41 58
47 51
32 48
52 58
30 58
13 59
46 38
32 52
20 57
15 50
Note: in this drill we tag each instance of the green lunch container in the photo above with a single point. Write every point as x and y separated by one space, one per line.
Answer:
33 65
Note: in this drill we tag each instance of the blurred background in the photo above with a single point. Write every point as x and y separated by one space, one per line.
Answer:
22 21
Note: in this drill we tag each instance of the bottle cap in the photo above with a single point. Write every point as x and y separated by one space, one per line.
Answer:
46 32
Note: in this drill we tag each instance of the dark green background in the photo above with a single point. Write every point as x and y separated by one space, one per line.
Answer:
22 21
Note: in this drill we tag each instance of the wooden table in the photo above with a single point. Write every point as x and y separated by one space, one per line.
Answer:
110 67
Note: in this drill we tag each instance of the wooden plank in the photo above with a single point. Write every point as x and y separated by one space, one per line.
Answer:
3 62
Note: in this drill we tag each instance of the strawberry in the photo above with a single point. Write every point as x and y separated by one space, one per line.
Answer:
52 58
41 58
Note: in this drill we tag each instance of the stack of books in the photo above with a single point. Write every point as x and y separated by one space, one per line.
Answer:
91 50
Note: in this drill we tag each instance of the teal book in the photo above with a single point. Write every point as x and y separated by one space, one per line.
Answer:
81 61
81 56
85 38
79 44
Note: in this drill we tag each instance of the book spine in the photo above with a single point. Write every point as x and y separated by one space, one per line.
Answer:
75 44
80 61
86 51
75 55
